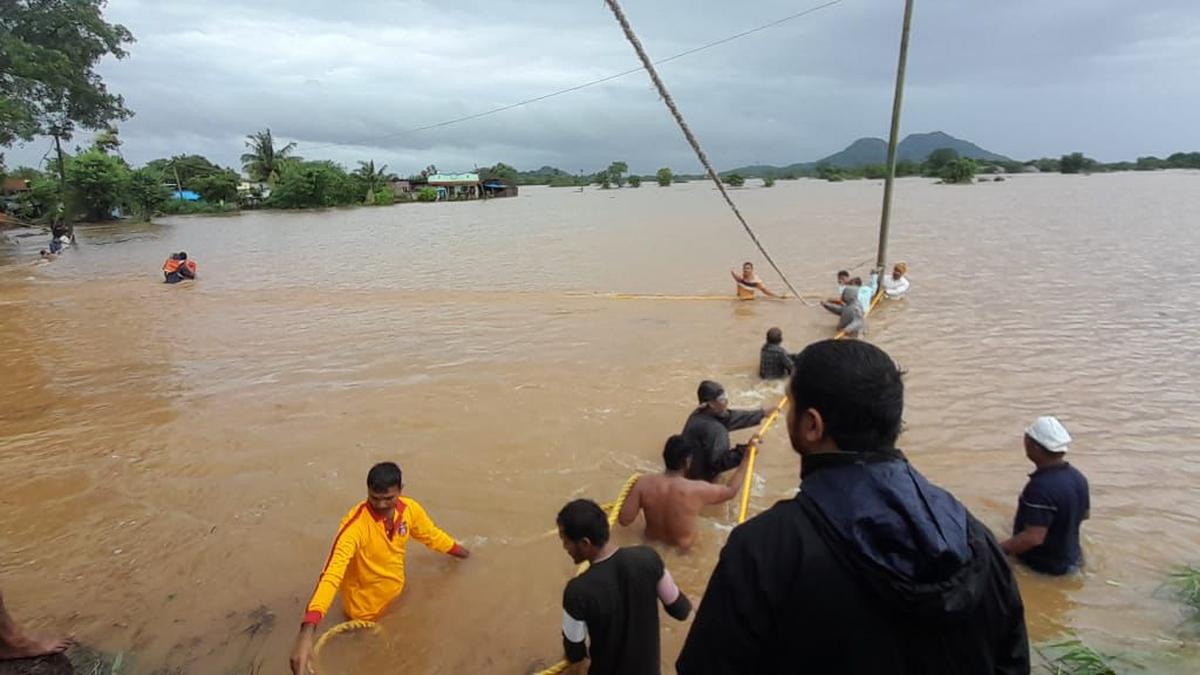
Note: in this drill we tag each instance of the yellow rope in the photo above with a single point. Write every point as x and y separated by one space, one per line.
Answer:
767 425
613 512
762 429
344 627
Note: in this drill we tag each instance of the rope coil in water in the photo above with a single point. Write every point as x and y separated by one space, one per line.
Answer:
344 627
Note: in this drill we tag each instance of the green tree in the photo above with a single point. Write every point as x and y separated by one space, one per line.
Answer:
97 183
1184 160
503 172
875 171
306 185
959 170
1075 163
829 173
107 141
1150 163
427 194
48 83
218 187
264 161
664 177
384 197
734 179
183 169
937 159
769 181
635 181
371 179
616 173
146 193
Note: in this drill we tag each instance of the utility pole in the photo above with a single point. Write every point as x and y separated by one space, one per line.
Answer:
885 216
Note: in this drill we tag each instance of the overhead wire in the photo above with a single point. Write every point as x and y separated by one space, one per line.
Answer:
585 85
619 14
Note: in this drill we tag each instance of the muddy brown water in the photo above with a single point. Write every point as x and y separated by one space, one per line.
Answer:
175 460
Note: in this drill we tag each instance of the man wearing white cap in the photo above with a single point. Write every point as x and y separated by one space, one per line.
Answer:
1053 504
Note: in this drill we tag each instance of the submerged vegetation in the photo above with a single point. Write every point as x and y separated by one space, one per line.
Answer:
1074 657
1184 582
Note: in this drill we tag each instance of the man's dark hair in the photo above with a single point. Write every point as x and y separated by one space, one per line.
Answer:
676 452
748 263
384 476
183 255
583 518
856 281
858 390
843 273
774 336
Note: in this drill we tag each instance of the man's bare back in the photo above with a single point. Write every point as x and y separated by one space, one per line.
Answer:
672 503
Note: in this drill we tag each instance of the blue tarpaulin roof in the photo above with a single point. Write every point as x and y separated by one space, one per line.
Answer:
187 195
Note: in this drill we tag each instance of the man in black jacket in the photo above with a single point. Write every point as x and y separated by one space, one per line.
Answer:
708 427
870 568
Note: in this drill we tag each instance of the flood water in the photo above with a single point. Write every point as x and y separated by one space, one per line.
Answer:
174 461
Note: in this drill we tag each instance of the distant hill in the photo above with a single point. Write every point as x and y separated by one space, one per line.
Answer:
865 151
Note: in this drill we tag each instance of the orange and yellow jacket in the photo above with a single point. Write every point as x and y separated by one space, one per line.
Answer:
367 559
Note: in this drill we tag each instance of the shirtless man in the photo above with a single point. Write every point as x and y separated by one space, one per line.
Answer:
672 502
749 282
17 644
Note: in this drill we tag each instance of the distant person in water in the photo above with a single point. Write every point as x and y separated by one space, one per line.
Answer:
708 427
1053 505
850 311
15 643
749 282
177 268
896 285
774 363
46 256
843 280
671 502
55 245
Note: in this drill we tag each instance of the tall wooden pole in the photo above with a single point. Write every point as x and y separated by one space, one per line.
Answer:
885 216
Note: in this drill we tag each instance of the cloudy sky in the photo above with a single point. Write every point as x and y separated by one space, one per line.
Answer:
346 79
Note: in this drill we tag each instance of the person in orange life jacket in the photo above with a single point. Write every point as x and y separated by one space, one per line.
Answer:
366 561
177 268
749 282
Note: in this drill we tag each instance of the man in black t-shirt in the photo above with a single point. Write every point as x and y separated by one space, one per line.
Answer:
614 602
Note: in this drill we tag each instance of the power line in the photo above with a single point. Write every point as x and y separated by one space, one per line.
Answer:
619 14
585 85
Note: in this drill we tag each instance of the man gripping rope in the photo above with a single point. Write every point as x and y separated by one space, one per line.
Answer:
366 561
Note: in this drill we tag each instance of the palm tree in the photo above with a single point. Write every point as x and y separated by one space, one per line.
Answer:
265 161
371 178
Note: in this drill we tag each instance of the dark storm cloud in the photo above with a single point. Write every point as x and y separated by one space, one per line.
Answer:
1024 77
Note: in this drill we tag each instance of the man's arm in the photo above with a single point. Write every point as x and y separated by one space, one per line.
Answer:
741 419
1027 539
716 493
424 531
674 601
633 504
574 631
345 546
1037 511
767 292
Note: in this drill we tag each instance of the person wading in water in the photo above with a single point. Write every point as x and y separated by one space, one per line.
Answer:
614 602
672 502
749 282
708 427
366 561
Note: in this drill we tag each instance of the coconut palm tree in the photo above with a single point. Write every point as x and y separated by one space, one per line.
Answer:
265 161
373 179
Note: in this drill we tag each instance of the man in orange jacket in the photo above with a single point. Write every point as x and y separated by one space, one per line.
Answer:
367 558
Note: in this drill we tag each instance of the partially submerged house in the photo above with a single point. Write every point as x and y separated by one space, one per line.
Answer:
460 186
